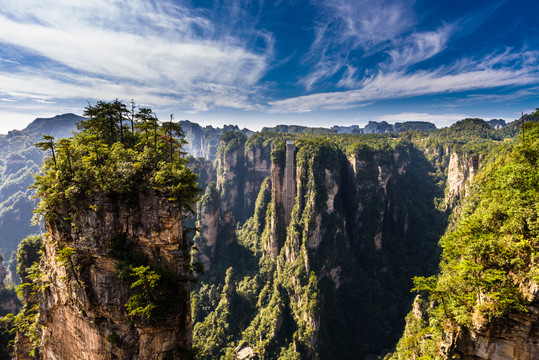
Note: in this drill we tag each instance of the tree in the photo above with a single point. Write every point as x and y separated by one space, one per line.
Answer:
48 144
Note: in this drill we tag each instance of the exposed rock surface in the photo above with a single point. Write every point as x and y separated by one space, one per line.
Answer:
83 303
231 172
460 174
515 337
512 337
258 163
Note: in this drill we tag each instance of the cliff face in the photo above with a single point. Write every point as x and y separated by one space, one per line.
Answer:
510 338
231 171
208 222
460 173
353 227
83 304
258 167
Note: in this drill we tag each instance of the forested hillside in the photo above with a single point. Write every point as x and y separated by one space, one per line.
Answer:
335 282
331 278
483 303
20 160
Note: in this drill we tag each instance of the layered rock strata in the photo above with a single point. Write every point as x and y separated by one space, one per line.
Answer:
83 304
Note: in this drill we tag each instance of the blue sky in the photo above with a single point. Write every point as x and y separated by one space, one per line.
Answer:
261 63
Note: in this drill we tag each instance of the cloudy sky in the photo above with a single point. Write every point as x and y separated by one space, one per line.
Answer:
259 63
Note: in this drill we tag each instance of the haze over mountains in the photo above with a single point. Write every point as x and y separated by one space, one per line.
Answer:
19 158
329 279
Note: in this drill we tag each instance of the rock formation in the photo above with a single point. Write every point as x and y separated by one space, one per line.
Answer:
83 305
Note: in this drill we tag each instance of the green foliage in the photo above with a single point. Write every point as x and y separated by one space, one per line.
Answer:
29 254
7 334
152 289
287 297
145 292
105 156
26 321
64 255
490 257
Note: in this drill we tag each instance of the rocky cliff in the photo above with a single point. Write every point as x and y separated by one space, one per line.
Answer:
114 278
483 303
83 305
513 337
353 227
460 173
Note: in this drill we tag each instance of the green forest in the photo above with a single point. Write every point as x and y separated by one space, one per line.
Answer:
448 217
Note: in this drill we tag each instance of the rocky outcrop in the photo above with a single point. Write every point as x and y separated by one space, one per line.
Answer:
512 337
204 170
351 220
204 141
83 304
515 337
460 173
208 210
277 231
258 167
230 164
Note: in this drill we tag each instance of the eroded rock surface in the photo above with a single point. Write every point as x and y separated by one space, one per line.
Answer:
82 307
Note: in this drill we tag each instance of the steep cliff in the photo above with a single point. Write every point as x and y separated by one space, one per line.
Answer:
483 304
204 141
113 281
83 306
460 173
230 166
354 227
240 168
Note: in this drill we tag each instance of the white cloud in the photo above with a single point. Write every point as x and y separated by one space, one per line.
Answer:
462 76
162 49
419 47
363 25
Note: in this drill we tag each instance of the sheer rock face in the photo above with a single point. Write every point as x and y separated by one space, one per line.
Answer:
513 337
277 223
228 173
460 174
83 303
208 223
258 164
240 173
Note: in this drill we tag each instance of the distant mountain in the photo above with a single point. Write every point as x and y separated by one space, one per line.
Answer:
204 141
496 123
19 161
354 129
296 129
414 126
374 127
58 126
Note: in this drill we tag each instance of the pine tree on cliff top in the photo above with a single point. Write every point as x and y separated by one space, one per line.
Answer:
106 156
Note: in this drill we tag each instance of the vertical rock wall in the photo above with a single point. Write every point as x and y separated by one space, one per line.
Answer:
82 304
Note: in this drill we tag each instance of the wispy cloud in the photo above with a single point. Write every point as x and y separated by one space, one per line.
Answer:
419 46
361 26
162 49
509 69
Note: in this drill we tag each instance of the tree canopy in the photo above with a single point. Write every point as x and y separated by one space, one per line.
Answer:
108 155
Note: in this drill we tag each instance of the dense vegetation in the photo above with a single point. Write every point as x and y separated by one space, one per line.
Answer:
115 152
25 320
490 257
19 161
280 306
348 292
